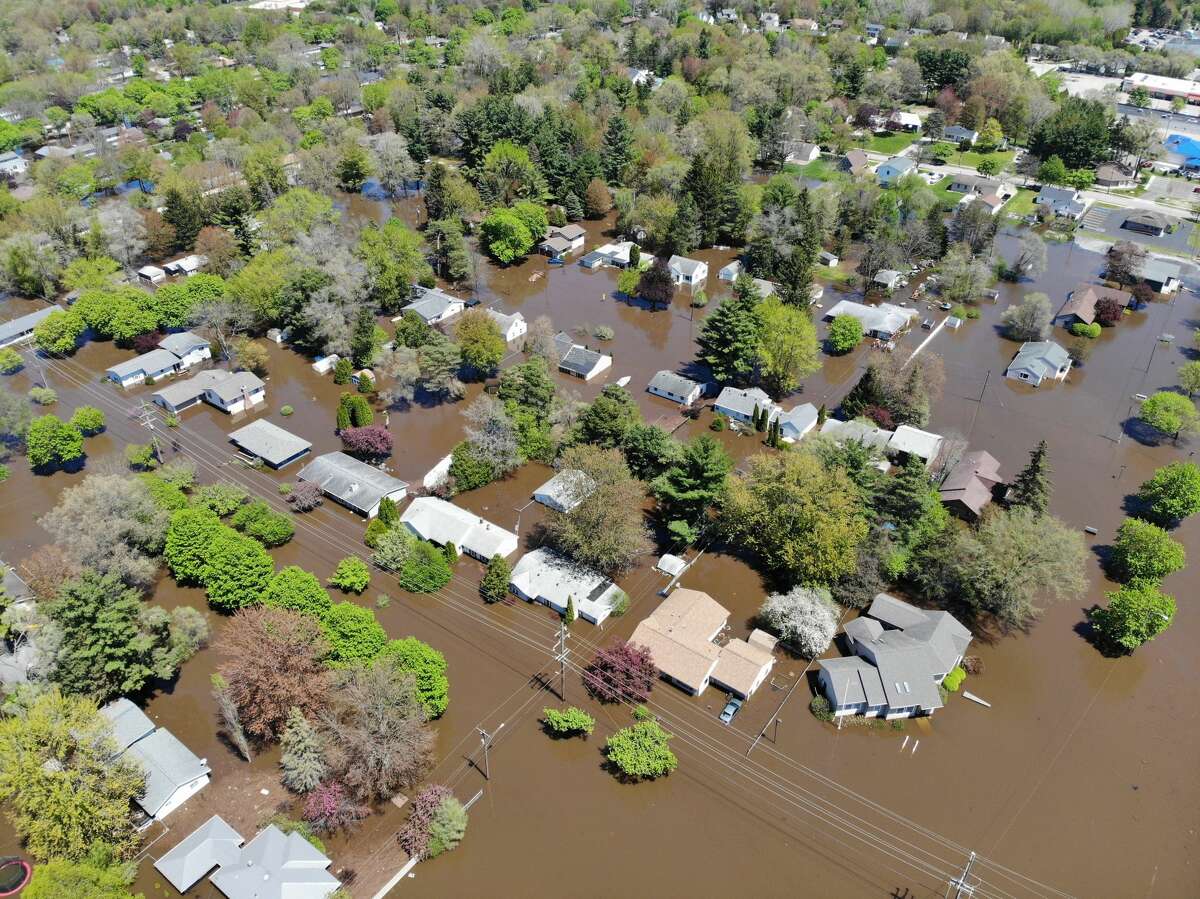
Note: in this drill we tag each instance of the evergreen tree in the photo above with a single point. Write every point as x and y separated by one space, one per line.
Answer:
362 341
450 551
1031 488
342 370
494 586
302 759
688 487
905 496
729 339
185 213
343 417
822 416
617 150
573 207
571 614
388 514
684 233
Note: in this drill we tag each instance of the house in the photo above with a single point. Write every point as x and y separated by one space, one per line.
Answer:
827 259
769 21
1146 221
1038 360
1159 275
1081 303
269 442
512 327
210 845
901 654
856 162
190 349
764 288
323 365
18 647
802 153
979 186
576 359
904 121
434 306
441 522
173 773
860 431
352 483
740 405
1064 202
797 422
960 135
892 170
731 271
909 441
883 322
20 329
1113 174
644 76
687 272
275 865
680 636
887 278
873 30
566 490
231 392
151 274
187 266
149 366
545 577
970 486
675 387
556 246
12 164
805 26
615 254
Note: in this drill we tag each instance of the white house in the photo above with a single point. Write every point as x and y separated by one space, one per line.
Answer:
802 153
434 306
884 321
576 359
688 272
615 254
173 772
1161 275
1064 202
190 349
513 326
153 365
231 392
20 329
350 482
675 387
151 274
188 265
960 135
731 271
566 490
13 164
1038 360
561 240
904 121
323 365
796 422
545 577
892 170
740 405
827 259
441 522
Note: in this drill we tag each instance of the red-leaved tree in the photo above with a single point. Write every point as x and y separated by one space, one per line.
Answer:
371 443
329 808
305 496
414 838
623 672
1108 312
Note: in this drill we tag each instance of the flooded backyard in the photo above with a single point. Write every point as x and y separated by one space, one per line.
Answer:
1079 778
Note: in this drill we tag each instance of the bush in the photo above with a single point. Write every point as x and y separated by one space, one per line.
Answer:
719 422
621 605
436 823
11 361
375 529
43 396
353 634
351 575
973 313
699 299
220 499
342 370
286 410
294 588
141 456
1092 331
165 494
260 521
428 666
603 332
954 679
1145 553
821 708
236 571
959 311
51 441
641 751
305 497
627 282
425 570
568 721
372 443
845 333
89 420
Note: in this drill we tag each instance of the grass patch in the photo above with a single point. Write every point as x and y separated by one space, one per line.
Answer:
832 275
820 169
889 143
972 158
1022 204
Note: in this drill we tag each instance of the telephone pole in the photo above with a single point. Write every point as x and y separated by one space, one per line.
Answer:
960 885
486 740
146 420
561 655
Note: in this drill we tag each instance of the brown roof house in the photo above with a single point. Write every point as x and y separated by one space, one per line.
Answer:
680 636
855 162
1113 175
967 490
1081 303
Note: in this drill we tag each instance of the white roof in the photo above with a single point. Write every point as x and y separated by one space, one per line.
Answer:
151 363
546 576
567 489
441 522
351 481
915 442
745 401
686 266
212 843
884 318
275 865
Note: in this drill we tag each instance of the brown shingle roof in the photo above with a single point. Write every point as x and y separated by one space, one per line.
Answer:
1083 299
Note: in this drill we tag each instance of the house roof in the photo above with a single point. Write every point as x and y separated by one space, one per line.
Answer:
862 431
211 844
545 574
1110 171
959 129
556 244
976 183
1042 357
581 360
436 520
234 384
150 363
854 681
899 164
742 661
270 442
129 723
886 318
971 480
679 635
915 442
673 383
351 481
1083 299
570 232
504 320
685 266
1159 270
801 418
939 632
169 765
17 326
275 865
1150 219
863 629
1056 195
745 401
431 303
152 271
568 488
857 160
182 342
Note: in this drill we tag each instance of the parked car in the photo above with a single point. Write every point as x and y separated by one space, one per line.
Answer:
731 709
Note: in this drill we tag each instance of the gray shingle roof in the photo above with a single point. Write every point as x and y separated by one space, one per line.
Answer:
17 326
211 844
351 482
670 382
269 442
129 723
151 363
744 401
431 303
684 265
182 342
580 360
1043 357
275 865
567 489
169 765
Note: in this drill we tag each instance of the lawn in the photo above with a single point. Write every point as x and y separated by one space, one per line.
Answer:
891 144
1022 204
946 196
820 169
972 158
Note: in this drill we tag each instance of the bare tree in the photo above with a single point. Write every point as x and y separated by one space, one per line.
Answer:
402 370
539 340
1030 320
492 433
393 167
227 712
124 232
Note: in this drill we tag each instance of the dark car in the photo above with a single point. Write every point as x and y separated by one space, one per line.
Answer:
731 709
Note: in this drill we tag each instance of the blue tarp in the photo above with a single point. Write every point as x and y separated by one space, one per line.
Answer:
1184 146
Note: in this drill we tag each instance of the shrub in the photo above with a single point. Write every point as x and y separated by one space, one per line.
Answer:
1144 552
286 410
236 571
294 588
959 311
141 456
353 634
43 396
954 679
699 299
568 721
719 422
50 441
821 708
425 570
627 281
264 524
220 499
305 497
371 443
973 313
342 370
845 333
1092 331
351 575
621 604
436 823
603 332
89 420
165 494
375 529
641 751
11 361
382 601
428 666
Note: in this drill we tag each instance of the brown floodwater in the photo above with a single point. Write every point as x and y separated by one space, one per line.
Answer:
1074 777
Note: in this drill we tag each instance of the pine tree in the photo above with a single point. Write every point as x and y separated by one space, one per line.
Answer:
754 417
573 207
450 551
695 482
822 416
362 341
617 151
302 761
343 416
684 233
494 586
1031 488
388 514
906 496
342 370
571 614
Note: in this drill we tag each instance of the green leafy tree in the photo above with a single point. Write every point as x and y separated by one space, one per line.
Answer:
1170 413
302 759
351 575
1077 131
264 524
1172 494
569 721
845 333
609 417
494 586
788 346
1189 377
236 571
50 441
353 633
505 237
641 751
1031 488
59 332
428 666
64 781
11 361
1053 171
1144 553
294 588
482 344
99 875
220 499
1135 614
88 419
509 175
426 570
192 531
354 168
395 261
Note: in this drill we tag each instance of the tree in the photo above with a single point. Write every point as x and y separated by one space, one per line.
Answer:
656 285
273 661
59 332
64 780
568 722
1170 413
1189 377
1077 132
428 667
988 167
264 524
1031 257
1030 320
649 450
436 823
1109 312
606 529
99 875
687 489
52 442
1171 494
730 337
191 533
1136 614
1144 553
788 347
617 150
505 237
394 261
1031 488
1125 259
236 571
440 361
804 617
375 732
641 751
353 634
328 809
608 419
494 586
597 199
845 333
351 575
508 175
479 337
302 756
230 721
354 168
801 520
622 672
88 420
372 443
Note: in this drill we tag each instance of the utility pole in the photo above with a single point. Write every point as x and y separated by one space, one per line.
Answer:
146 420
561 656
960 885
486 740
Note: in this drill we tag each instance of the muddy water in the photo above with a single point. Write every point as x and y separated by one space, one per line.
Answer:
1074 776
